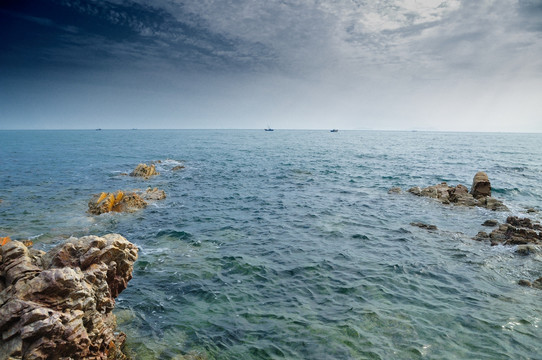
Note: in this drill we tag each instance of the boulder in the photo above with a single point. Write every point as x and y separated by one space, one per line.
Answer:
481 187
145 171
58 305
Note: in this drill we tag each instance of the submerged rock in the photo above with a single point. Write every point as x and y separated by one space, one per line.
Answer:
58 305
178 167
123 201
490 223
395 190
460 195
144 171
153 194
537 284
424 226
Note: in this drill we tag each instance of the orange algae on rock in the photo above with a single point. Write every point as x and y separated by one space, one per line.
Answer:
4 240
123 201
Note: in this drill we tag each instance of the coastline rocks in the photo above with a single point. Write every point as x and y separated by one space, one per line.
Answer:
58 305
145 171
516 231
123 201
460 195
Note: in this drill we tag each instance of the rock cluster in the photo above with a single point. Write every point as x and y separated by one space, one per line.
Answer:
524 233
123 201
58 305
479 195
145 171
516 231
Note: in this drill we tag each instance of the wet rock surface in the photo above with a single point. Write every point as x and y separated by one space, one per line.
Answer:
145 171
121 201
516 231
58 305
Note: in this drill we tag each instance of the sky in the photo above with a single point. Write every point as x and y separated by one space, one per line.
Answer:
444 65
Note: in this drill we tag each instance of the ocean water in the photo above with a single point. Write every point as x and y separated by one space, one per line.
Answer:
287 245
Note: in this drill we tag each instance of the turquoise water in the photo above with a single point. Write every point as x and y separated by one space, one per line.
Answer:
286 244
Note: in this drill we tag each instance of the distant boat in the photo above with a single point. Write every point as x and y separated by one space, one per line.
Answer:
269 128
334 130
98 129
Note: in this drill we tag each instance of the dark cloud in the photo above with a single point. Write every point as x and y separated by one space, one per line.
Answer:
296 60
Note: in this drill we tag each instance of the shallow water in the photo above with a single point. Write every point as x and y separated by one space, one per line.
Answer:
286 244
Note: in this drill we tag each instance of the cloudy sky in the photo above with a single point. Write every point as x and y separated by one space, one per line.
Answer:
452 65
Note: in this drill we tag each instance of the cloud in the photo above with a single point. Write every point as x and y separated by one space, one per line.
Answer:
402 62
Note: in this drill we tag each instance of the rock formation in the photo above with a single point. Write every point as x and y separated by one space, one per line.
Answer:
58 305
123 201
516 231
481 187
145 171
460 195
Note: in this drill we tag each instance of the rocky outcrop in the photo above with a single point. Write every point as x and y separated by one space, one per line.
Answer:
516 231
481 187
145 171
58 305
123 201
460 195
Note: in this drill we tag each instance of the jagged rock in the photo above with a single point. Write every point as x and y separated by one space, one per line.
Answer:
481 187
119 202
516 231
123 201
58 305
459 195
395 190
144 171
490 223
424 226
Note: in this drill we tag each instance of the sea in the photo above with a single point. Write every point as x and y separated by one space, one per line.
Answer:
287 244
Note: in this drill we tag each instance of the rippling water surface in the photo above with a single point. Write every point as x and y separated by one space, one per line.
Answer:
286 244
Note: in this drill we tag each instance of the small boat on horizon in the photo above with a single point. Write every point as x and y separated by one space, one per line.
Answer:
269 128
334 130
